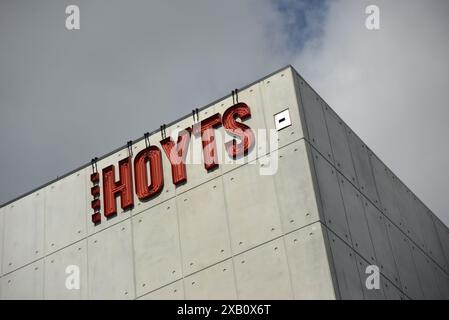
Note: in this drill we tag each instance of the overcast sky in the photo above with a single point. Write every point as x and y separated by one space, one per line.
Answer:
137 64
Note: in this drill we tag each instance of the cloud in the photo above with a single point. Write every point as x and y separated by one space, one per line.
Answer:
67 96
390 86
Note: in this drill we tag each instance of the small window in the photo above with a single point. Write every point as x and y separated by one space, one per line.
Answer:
282 120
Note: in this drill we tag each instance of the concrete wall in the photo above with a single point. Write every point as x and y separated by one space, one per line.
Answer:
370 216
230 233
308 231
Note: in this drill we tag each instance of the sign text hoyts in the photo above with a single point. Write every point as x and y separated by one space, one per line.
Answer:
148 178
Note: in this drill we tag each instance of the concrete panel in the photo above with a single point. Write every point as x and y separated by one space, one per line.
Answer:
386 190
361 238
214 283
309 265
373 293
442 281
379 236
331 201
279 93
409 211
426 274
443 235
252 207
406 267
173 291
56 276
168 191
316 124
390 291
262 273
23 231
430 235
362 167
65 211
110 263
121 214
203 226
298 203
25 283
339 144
346 272
156 247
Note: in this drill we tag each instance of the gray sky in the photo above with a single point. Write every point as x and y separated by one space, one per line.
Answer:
137 64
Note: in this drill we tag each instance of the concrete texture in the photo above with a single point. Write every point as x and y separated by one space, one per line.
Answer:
309 231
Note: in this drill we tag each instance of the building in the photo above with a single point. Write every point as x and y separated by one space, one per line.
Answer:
303 216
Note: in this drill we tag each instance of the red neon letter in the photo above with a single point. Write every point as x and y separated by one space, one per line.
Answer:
206 129
151 155
177 155
238 129
123 187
